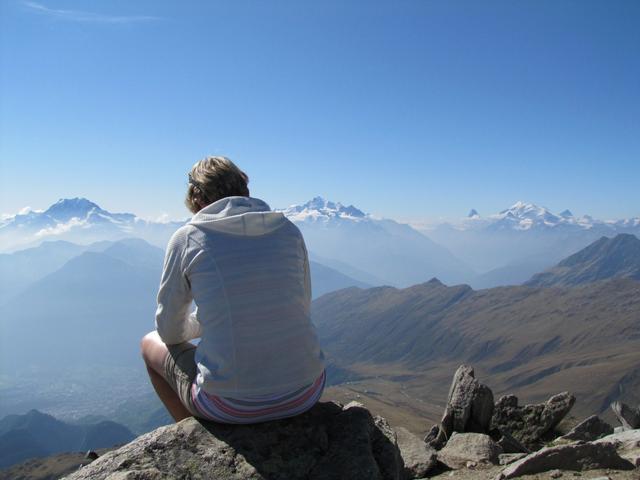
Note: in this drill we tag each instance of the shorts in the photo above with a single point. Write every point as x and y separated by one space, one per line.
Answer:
180 371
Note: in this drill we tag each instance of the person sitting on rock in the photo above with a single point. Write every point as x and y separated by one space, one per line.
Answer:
246 268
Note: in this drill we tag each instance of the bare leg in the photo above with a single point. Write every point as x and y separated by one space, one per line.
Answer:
154 352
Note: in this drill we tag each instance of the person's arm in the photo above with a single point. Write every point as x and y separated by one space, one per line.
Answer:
174 322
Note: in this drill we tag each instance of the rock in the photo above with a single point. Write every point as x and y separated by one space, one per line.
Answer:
469 447
507 458
627 444
627 416
590 429
329 441
577 456
528 424
481 410
418 458
469 408
436 438
555 473
91 455
507 442
470 403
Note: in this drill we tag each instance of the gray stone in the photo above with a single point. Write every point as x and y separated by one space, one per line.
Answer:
329 441
507 458
481 410
627 416
627 444
418 458
436 438
530 423
590 429
577 456
469 408
470 403
469 447
507 442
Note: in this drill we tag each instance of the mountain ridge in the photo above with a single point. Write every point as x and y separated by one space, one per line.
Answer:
603 259
37 434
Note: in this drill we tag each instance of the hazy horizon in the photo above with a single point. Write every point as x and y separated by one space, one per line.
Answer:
419 221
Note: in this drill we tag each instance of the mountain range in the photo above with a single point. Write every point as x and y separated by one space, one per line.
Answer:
79 220
572 327
605 258
36 434
509 247
506 248
393 252
532 341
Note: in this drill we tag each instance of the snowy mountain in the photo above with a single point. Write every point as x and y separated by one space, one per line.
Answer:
381 248
81 221
321 210
522 240
528 216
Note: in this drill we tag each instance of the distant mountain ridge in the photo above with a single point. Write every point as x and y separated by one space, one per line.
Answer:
393 252
510 246
617 257
527 216
79 220
37 434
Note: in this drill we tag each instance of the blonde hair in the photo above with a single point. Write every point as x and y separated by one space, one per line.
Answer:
212 179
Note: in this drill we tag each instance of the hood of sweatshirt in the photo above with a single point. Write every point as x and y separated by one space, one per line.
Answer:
238 216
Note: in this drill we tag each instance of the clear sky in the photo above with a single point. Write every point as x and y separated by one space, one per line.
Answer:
407 109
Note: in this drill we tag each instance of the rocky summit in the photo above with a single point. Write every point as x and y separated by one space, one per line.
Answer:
329 441
476 438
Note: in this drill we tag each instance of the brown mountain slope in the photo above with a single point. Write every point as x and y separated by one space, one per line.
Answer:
529 341
605 258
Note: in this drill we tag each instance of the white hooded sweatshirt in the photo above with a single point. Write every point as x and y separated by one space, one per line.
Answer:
247 269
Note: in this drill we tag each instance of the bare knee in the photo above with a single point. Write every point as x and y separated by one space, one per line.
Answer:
149 343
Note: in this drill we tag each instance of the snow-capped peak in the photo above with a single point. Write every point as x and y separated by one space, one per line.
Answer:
67 208
320 209
525 210
473 213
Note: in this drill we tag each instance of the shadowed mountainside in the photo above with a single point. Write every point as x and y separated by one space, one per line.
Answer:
606 258
36 434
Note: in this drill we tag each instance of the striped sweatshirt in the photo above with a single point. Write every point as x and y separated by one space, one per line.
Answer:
247 269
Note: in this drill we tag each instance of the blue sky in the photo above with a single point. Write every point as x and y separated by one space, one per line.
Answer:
407 109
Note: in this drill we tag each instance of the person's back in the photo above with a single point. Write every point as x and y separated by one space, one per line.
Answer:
247 269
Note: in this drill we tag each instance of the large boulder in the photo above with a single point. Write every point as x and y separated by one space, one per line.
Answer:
469 408
590 429
577 456
627 416
418 457
329 441
529 423
463 449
